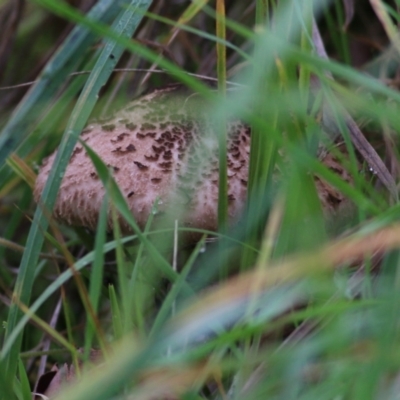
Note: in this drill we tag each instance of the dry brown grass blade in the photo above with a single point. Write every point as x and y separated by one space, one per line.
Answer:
386 21
190 12
170 383
20 249
360 142
349 12
22 169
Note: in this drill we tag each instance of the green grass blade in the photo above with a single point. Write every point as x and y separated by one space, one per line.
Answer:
53 75
222 131
133 46
139 291
165 309
23 378
124 26
115 313
52 288
205 35
120 203
96 276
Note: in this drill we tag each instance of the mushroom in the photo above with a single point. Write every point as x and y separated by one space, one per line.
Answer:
161 147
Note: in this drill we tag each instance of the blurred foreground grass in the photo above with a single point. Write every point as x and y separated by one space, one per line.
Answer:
297 300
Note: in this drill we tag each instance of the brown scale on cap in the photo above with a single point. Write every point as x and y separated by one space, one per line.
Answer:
161 146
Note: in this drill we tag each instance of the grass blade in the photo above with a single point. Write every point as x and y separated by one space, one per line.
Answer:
55 72
124 26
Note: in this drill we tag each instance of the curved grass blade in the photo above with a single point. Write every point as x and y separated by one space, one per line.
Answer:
131 45
52 288
124 26
189 329
120 203
222 136
62 63
215 39
96 276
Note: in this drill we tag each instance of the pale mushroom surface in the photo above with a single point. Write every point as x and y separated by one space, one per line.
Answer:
162 147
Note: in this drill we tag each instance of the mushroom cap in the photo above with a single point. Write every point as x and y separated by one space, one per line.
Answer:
161 147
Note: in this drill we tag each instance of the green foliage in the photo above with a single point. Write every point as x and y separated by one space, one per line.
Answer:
299 299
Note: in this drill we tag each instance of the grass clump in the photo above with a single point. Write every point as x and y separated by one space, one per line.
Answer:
296 300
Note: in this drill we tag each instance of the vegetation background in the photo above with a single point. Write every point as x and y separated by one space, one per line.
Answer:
301 299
